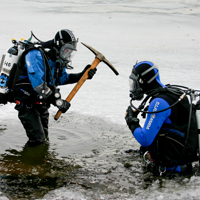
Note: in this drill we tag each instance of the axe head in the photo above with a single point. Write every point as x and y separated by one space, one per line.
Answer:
101 58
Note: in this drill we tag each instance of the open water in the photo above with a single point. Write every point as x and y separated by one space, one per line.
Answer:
85 157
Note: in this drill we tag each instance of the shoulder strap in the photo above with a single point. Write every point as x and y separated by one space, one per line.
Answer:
28 48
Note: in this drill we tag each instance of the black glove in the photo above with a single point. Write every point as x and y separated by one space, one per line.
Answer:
3 98
91 72
131 119
62 105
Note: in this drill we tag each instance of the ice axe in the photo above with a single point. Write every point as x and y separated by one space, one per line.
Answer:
99 57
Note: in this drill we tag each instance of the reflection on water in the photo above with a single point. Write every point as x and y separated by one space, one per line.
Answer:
29 160
33 171
84 159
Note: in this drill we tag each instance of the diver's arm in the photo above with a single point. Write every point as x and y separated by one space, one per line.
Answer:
146 135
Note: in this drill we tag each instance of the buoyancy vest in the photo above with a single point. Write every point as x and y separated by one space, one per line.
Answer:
175 144
19 82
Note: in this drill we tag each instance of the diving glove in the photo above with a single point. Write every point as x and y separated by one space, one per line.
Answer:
62 105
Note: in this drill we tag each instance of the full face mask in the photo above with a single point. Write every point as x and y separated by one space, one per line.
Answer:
136 92
64 56
67 52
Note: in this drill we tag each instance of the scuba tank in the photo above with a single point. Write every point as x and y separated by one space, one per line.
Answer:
8 61
198 124
2 60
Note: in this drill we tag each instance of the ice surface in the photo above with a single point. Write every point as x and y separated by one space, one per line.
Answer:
125 31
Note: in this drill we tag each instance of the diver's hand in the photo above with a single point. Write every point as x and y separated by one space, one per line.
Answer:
131 119
62 105
91 72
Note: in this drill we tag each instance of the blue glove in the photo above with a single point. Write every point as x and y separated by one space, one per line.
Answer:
131 119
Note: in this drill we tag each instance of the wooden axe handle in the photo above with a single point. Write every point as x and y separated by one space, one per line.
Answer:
78 85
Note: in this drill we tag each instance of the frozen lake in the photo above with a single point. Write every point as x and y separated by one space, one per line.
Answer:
85 157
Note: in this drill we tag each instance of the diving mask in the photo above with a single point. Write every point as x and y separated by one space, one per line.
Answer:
136 92
67 52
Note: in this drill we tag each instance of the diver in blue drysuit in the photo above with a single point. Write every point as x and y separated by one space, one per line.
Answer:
36 82
143 80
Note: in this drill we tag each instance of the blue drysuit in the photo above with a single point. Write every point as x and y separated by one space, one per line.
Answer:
157 122
35 67
146 135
